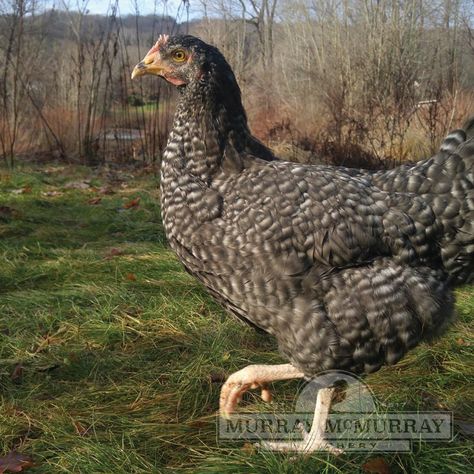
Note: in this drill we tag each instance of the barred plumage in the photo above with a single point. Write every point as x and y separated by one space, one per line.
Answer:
348 269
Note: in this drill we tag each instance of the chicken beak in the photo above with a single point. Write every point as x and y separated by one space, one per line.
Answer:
149 65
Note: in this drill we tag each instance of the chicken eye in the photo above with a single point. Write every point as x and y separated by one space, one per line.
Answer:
179 55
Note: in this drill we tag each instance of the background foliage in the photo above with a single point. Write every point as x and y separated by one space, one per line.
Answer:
358 82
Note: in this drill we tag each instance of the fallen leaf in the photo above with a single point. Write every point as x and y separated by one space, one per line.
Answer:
94 201
248 448
17 373
131 277
23 190
15 462
463 342
376 466
133 203
52 193
80 429
48 339
106 190
113 252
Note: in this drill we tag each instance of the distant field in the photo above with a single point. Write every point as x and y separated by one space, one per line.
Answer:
111 356
146 108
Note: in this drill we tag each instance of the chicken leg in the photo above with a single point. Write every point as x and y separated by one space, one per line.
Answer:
314 439
253 376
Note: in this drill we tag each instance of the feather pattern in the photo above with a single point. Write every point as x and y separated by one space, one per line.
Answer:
348 269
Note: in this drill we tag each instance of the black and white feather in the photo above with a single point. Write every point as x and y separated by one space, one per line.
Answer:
347 269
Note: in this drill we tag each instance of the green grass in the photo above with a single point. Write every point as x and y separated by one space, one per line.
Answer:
148 108
151 107
120 348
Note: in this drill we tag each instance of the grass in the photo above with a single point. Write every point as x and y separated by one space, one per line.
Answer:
150 107
110 352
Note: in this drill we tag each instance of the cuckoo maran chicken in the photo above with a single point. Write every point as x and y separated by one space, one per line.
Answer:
347 269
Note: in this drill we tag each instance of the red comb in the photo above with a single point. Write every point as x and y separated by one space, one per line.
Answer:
162 40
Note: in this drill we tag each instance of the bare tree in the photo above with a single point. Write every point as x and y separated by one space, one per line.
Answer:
14 75
330 75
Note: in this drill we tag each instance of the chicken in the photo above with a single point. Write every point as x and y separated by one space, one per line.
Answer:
445 183
347 269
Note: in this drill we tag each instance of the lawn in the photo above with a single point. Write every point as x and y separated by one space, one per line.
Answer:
112 357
